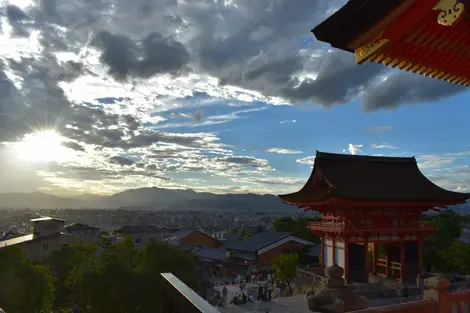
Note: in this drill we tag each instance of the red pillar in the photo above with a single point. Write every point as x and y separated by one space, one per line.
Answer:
402 261
366 261
374 266
346 259
420 257
322 261
387 264
333 243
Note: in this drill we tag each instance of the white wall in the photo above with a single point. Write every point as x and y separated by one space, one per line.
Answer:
328 253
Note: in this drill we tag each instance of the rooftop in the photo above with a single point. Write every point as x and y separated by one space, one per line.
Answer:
370 178
257 242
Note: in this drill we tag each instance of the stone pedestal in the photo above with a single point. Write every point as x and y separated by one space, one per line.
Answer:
335 296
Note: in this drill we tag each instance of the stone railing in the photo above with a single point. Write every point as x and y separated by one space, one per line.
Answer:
179 298
437 299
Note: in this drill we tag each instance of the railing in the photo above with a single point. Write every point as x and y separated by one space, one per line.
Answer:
179 298
341 227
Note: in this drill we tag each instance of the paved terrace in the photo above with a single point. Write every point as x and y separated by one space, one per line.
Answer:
294 304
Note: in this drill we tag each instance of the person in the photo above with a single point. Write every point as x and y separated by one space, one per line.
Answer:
251 298
224 294
399 293
270 291
244 298
406 293
260 292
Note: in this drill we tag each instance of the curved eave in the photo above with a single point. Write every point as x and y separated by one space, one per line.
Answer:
384 203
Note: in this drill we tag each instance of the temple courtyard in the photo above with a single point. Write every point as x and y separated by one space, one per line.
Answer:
294 304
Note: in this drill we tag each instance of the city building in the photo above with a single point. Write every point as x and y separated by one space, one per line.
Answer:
141 234
84 232
371 208
189 238
48 235
258 251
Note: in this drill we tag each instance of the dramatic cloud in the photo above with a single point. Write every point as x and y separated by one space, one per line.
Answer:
124 86
283 151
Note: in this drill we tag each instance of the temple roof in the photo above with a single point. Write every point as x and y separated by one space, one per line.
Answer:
370 178
352 20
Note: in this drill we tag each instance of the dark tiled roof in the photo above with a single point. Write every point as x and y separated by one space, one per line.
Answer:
136 229
211 253
257 242
370 178
180 234
80 226
353 20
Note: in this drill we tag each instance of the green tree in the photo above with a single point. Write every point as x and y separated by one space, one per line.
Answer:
24 287
123 279
459 256
436 247
247 235
62 262
285 266
298 227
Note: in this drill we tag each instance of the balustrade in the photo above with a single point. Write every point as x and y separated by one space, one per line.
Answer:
179 298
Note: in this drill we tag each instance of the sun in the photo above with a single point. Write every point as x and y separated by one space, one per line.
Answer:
43 146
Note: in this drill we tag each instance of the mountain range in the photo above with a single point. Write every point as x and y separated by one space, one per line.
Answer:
148 198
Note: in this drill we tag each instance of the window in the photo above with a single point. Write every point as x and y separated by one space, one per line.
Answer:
138 240
65 245
45 246
152 239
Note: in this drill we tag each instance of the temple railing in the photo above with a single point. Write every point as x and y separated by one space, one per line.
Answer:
437 298
179 298
349 227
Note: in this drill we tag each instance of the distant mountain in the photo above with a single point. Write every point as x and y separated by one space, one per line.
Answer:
150 198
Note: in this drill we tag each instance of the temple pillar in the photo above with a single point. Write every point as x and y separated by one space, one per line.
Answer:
374 266
402 261
420 257
346 260
322 256
333 243
366 261
387 263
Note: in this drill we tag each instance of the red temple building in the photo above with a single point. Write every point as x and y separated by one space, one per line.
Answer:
371 209
428 37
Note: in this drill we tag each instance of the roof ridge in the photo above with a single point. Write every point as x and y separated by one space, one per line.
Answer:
363 158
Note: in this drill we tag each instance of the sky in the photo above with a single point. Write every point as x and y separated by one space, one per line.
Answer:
225 96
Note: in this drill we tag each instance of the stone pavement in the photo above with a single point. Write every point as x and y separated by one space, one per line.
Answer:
294 304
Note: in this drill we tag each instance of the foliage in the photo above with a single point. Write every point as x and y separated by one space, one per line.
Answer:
247 235
285 266
24 287
436 247
62 262
123 278
298 227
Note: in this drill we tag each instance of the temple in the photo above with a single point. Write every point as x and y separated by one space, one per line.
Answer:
371 209
428 37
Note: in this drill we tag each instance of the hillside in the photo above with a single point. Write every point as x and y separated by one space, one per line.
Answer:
151 198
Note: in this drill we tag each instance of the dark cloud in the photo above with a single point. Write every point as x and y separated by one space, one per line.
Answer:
408 88
118 160
154 54
73 146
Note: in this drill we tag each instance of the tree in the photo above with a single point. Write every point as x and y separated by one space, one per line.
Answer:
459 256
285 266
123 278
24 287
62 262
298 227
247 235
436 246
